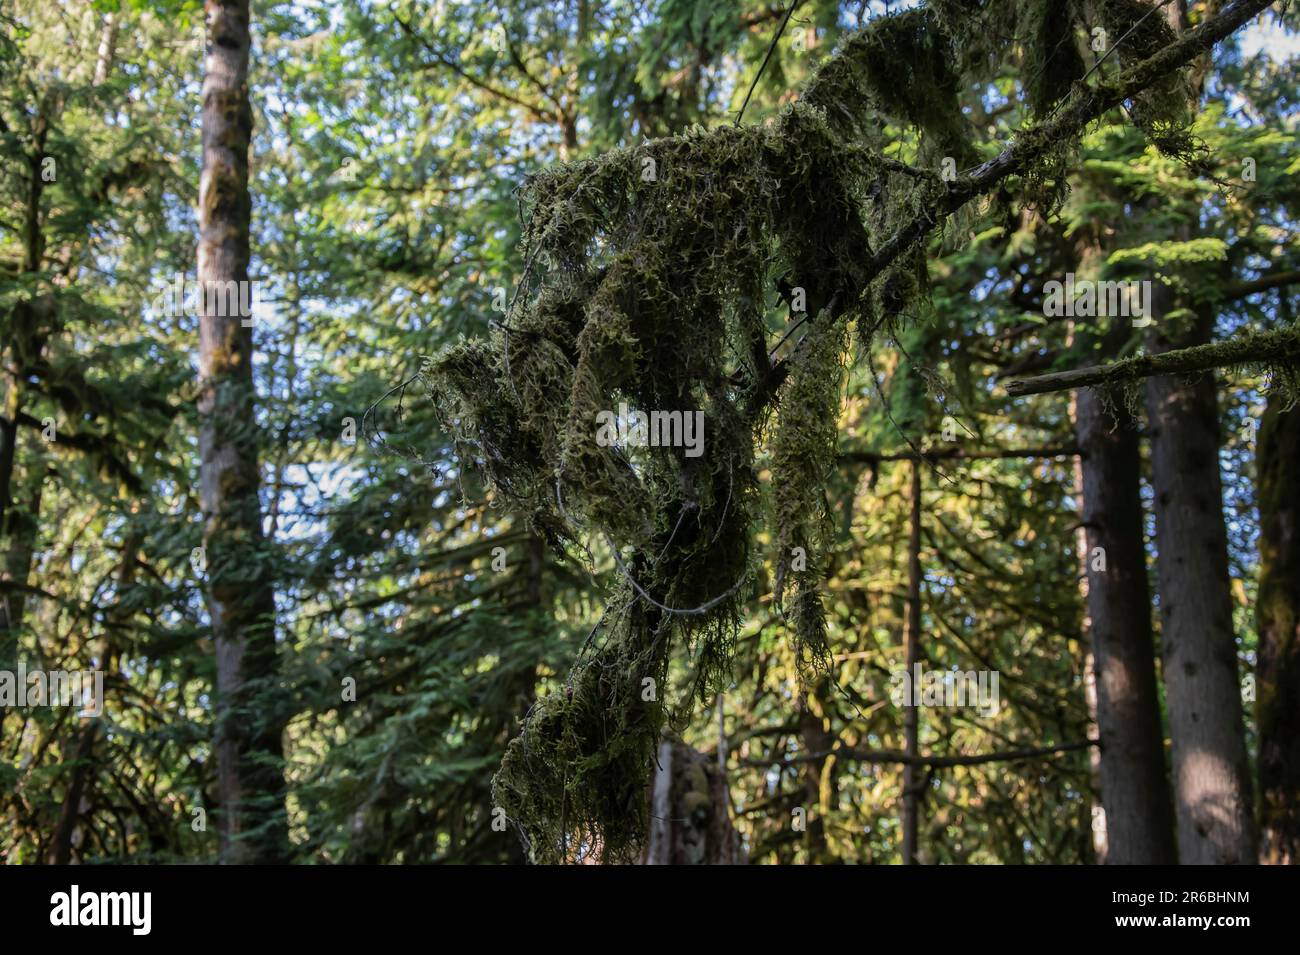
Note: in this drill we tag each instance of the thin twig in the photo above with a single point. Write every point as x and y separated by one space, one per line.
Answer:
757 76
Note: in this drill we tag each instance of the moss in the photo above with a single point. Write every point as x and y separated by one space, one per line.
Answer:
908 71
803 453
649 280
650 271
574 777
1164 111
1052 63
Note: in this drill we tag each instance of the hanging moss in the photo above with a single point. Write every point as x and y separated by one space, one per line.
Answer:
1164 111
1052 62
574 777
908 72
652 270
803 454
651 276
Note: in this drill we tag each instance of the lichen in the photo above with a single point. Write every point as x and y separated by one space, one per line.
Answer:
656 277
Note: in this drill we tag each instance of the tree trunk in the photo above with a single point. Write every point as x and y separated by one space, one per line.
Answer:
107 47
1211 782
913 775
17 552
1099 840
1134 788
60 850
1135 794
27 323
1277 705
240 599
690 811
818 775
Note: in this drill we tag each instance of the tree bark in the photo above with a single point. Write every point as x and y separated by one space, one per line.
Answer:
107 48
1099 840
818 775
60 850
690 810
240 598
1277 706
27 321
1211 781
912 773
1131 764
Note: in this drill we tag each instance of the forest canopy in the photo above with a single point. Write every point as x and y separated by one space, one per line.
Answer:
809 432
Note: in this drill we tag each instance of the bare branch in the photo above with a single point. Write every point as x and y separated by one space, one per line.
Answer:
895 756
959 454
1270 280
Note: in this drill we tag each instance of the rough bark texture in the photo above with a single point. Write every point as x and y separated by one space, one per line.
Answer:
1277 704
1098 840
1135 794
240 599
1211 781
690 812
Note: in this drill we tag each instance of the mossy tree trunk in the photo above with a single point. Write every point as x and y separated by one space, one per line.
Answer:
1277 705
1203 689
818 775
240 597
690 811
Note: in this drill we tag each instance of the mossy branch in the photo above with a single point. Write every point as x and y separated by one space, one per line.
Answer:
1087 105
648 282
1264 348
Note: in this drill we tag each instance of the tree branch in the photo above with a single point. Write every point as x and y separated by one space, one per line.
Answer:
447 62
1270 280
949 454
1085 105
1089 104
1258 348
895 756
